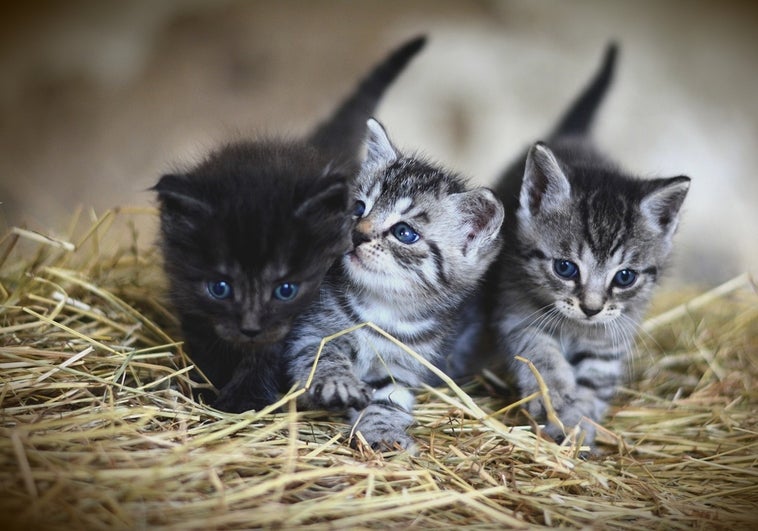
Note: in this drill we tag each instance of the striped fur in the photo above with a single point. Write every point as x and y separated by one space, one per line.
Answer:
579 229
410 289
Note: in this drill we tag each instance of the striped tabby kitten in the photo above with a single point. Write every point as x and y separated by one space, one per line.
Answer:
421 244
583 248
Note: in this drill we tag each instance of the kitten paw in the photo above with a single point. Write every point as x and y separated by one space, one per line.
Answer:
561 397
573 410
384 428
340 392
575 430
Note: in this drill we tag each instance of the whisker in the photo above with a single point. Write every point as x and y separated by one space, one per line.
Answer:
535 312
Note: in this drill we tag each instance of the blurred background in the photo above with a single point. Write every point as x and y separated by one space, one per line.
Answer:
99 98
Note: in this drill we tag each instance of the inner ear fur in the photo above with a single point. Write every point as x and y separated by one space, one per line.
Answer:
545 186
482 215
661 206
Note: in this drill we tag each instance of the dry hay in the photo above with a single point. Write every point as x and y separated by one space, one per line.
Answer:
99 432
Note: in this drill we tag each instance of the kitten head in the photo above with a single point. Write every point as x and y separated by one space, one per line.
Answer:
594 239
421 236
249 234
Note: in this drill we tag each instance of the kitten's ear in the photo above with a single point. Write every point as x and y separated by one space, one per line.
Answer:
482 215
661 206
176 195
545 186
331 199
380 149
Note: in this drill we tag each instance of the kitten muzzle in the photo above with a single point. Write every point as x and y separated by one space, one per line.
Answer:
252 333
589 311
359 238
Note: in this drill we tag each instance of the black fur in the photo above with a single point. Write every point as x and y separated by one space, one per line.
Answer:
256 214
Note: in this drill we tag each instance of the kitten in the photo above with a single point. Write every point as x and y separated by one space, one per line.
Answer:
584 245
249 233
421 244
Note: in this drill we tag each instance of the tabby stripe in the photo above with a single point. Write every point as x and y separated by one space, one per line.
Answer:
438 262
423 217
415 338
598 384
534 253
347 307
619 244
581 357
589 237
603 390
385 404
378 384
651 271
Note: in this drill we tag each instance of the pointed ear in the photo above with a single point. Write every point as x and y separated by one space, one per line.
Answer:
380 149
661 206
482 215
176 195
331 199
545 186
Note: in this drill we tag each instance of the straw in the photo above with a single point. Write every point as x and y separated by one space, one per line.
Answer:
99 430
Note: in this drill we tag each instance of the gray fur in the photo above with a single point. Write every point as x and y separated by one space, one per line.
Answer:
412 291
578 331
570 204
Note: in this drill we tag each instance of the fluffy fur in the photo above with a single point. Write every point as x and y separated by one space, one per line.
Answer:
249 233
584 245
421 243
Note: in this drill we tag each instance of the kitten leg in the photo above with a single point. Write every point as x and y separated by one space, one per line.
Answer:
335 386
569 402
578 390
255 384
596 376
384 422
546 355
584 405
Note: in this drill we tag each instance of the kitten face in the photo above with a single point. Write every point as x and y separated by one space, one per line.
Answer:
247 243
418 230
255 306
594 249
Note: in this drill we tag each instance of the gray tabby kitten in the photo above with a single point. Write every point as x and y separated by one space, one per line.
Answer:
421 244
583 248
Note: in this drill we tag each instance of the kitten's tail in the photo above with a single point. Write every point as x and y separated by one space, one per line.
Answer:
342 134
577 120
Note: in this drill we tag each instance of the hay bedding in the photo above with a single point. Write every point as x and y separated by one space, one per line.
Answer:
98 431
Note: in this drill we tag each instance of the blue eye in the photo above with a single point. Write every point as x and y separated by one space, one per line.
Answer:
404 233
219 289
286 291
565 269
625 278
359 209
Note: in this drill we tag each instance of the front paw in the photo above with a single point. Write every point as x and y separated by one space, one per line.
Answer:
574 430
576 412
384 427
561 395
339 392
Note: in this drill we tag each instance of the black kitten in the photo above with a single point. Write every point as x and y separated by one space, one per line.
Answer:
249 233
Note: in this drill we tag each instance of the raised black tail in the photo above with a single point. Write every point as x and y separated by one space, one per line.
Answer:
577 120
342 134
